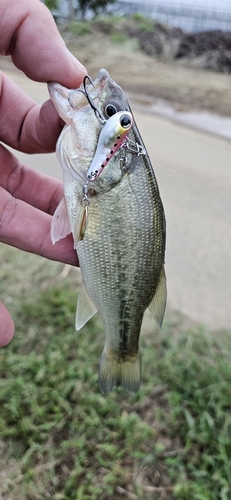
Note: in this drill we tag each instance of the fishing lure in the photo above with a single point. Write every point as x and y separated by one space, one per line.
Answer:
111 138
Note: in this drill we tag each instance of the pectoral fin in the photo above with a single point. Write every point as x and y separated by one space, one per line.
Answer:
158 303
60 225
85 309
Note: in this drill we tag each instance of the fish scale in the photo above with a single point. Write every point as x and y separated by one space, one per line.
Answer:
121 245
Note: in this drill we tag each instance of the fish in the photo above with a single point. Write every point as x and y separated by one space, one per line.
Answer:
117 220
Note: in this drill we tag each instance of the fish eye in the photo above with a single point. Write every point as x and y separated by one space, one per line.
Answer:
110 110
125 121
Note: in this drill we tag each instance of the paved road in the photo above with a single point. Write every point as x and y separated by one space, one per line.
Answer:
194 175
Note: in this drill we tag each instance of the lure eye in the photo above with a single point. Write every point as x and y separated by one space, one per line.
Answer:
125 121
110 110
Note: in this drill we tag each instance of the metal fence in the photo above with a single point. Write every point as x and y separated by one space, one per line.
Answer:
190 18
198 16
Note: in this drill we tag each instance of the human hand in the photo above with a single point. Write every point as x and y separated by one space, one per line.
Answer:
27 198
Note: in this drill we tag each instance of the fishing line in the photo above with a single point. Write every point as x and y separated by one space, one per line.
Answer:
179 174
165 168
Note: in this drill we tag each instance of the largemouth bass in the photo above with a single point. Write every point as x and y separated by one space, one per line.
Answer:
113 208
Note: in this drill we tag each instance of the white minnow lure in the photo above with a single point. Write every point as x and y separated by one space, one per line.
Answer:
111 138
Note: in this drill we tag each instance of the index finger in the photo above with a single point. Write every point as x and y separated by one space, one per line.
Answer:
23 183
24 125
27 201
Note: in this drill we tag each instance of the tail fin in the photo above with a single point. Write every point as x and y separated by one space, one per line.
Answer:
116 371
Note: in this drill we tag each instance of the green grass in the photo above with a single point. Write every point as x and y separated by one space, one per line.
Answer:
118 38
143 23
119 28
62 439
80 28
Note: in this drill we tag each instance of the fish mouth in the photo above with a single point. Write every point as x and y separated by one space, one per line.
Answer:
98 94
78 98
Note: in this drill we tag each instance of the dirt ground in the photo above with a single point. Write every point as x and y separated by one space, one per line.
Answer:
149 77
177 81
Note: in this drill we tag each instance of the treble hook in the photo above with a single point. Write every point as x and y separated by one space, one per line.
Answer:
98 115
